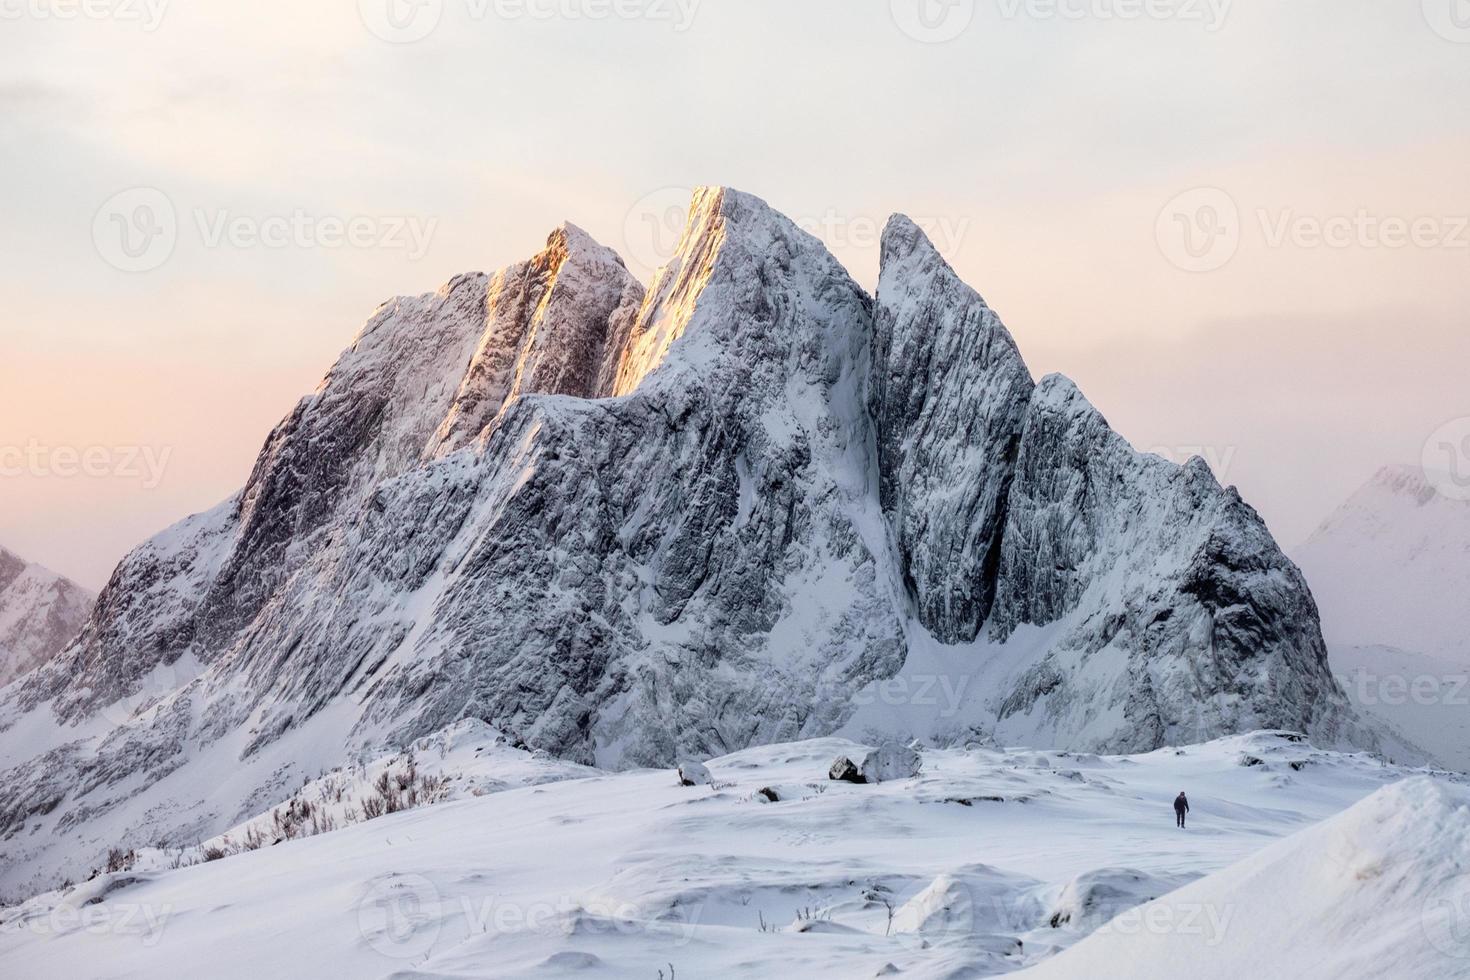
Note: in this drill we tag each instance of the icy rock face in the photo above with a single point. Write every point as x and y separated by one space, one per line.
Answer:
1177 617
949 396
694 566
551 324
40 613
689 567
1178 612
628 528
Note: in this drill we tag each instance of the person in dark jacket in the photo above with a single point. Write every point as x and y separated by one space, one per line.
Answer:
1181 807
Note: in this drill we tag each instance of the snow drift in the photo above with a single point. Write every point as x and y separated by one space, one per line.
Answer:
1378 891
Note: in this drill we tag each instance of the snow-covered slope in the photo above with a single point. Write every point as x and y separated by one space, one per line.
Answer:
1379 891
989 862
1392 568
626 526
40 613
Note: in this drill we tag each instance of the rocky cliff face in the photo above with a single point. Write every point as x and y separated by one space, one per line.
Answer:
631 526
950 393
40 613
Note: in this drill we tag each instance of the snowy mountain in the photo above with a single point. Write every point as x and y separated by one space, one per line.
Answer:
989 862
40 613
1424 698
624 526
1392 568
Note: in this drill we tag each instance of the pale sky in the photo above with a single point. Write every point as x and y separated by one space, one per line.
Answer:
1059 151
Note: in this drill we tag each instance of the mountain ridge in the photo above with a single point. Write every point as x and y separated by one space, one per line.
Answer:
670 535
40 612
1398 519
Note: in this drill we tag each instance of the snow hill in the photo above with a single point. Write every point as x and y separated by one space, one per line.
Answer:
625 525
1391 568
40 613
1379 891
989 862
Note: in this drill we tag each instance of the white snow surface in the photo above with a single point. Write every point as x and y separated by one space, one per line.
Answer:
1378 891
990 861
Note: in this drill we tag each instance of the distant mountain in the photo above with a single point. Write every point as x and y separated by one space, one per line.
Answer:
624 525
1392 568
1424 698
40 613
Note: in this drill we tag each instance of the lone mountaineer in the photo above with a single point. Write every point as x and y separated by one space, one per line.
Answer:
1181 807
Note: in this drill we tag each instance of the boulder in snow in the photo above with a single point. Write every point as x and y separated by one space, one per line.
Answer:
883 764
693 773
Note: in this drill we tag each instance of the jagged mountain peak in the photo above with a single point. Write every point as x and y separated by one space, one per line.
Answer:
632 525
40 613
949 393
1406 480
739 293
1399 519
